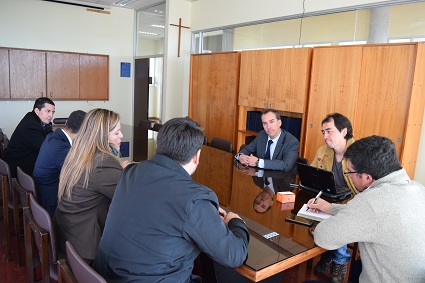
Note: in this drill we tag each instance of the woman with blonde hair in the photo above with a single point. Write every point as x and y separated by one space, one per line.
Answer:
87 183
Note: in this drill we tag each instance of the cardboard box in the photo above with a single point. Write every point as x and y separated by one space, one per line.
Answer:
285 197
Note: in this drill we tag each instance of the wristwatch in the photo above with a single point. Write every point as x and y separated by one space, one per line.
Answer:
258 161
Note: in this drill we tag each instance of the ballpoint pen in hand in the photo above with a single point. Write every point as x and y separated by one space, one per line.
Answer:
318 196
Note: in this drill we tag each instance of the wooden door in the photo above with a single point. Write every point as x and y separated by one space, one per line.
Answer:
289 78
94 77
27 74
200 90
223 96
63 81
335 74
4 74
255 78
214 93
384 92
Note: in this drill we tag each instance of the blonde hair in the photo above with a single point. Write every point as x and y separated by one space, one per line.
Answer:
93 136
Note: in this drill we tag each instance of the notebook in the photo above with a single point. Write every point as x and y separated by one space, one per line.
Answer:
315 180
317 216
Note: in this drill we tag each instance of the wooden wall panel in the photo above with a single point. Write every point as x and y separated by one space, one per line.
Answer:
333 88
384 92
4 74
412 136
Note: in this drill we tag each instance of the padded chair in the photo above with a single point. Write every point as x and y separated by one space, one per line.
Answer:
221 144
23 186
39 230
60 121
156 127
65 274
145 125
303 160
7 199
81 270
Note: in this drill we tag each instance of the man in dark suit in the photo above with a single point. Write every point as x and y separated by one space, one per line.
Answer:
273 148
50 159
28 136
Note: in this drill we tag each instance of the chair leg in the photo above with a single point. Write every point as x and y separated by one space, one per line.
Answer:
16 221
5 198
28 248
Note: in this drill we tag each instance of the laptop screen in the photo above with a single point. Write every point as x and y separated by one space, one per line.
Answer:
316 179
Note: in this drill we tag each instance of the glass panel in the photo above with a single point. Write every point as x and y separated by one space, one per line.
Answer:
150 30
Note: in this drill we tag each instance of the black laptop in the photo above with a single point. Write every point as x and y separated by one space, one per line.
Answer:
315 180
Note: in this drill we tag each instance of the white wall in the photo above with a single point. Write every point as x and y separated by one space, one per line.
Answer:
43 25
207 14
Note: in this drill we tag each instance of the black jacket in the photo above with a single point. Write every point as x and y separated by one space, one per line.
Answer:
25 143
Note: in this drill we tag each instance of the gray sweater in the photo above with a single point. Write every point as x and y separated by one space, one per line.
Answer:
387 220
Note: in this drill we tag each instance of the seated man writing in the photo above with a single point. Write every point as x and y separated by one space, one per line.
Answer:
385 218
273 148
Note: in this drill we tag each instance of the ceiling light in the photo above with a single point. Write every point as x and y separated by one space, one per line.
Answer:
148 33
158 26
123 2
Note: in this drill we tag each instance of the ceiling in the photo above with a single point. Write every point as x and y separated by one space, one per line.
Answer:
151 20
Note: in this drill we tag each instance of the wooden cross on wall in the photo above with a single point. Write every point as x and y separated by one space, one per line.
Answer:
180 33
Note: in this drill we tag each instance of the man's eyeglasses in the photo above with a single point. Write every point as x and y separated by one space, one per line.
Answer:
350 172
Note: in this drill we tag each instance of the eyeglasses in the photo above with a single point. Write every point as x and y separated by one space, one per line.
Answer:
350 172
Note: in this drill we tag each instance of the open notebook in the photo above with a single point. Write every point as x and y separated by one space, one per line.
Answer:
318 216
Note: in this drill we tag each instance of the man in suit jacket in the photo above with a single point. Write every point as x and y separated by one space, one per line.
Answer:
50 160
28 136
283 150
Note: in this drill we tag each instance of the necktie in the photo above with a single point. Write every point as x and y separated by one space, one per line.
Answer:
267 156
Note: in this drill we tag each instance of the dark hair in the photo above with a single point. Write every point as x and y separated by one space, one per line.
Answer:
340 122
40 102
180 139
375 155
74 121
272 111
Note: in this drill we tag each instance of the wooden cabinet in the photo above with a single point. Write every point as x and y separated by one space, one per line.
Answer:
94 77
213 93
63 75
4 73
27 74
275 78
378 87
30 74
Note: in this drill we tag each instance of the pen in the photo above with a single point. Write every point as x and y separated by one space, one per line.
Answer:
318 196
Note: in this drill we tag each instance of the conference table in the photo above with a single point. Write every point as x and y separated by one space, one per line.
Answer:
275 245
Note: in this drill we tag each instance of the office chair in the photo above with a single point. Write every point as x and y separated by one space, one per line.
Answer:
222 144
65 274
39 230
81 270
156 127
7 193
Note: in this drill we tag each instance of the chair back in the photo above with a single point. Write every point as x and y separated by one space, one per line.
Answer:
81 270
26 181
42 218
222 144
145 125
65 274
60 121
156 127
39 230
6 182
303 160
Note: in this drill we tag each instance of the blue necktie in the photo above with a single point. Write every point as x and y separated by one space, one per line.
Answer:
267 156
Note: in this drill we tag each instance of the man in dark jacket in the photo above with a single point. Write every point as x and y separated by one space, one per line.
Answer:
50 159
160 219
28 136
